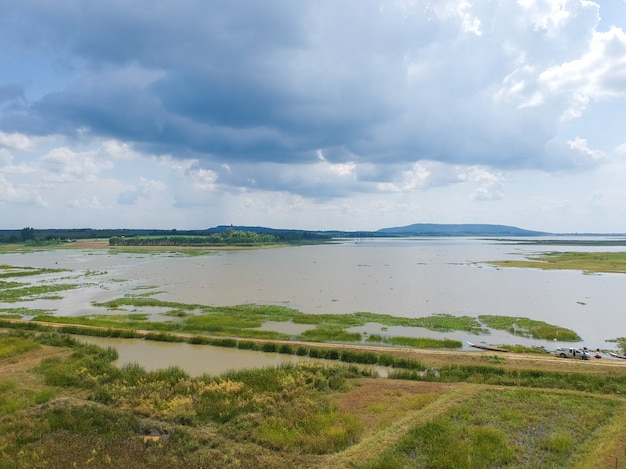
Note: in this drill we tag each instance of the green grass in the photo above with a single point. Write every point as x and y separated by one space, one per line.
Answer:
504 428
420 342
11 346
491 374
14 398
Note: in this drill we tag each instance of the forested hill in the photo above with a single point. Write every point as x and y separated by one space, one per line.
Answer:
431 229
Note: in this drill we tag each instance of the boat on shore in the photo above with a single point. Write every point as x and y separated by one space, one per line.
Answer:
487 347
617 355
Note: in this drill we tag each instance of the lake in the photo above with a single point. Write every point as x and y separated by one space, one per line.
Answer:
406 277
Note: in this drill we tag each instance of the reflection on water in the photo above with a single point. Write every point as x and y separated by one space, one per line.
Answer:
414 277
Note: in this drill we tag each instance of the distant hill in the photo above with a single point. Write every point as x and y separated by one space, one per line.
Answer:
431 229
418 229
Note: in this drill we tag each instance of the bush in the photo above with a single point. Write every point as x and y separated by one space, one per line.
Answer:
247 345
268 347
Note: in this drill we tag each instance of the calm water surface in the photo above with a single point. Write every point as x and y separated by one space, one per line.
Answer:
198 360
408 277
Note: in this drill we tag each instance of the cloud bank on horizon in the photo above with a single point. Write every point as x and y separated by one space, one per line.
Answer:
350 115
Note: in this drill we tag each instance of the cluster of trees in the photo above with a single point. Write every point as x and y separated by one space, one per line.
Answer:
228 237
128 237
27 235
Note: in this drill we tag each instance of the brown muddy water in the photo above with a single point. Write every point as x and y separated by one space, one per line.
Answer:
198 360
406 277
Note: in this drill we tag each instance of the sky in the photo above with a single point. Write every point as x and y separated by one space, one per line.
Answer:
314 115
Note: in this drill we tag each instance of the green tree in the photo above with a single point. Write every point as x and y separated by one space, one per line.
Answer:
28 233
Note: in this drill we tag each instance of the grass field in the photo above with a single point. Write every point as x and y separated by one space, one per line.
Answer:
62 404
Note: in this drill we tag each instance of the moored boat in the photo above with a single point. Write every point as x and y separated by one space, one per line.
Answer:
617 355
488 347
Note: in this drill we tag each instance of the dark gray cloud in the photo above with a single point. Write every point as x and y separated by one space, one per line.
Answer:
238 82
11 92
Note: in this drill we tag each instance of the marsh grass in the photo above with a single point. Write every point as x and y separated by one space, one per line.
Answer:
426 342
33 292
330 334
245 320
9 271
588 262
525 327
19 313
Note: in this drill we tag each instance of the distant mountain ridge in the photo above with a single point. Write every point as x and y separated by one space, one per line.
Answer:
417 229
468 229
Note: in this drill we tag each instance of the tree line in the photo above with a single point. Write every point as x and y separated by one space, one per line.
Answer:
131 237
225 238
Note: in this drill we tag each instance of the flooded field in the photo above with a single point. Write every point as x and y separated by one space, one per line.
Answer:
409 277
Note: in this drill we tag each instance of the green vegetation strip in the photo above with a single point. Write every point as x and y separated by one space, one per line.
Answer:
525 327
493 374
589 262
244 320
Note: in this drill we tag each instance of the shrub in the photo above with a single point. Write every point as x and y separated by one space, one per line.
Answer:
268 347
247 345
